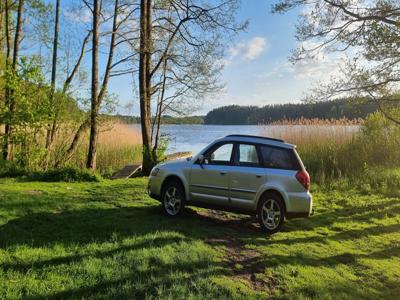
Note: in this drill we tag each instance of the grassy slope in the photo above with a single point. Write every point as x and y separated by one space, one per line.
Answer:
109 240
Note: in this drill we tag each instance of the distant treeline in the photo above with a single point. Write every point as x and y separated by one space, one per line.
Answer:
252 115
165 119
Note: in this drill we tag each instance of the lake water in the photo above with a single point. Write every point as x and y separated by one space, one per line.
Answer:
195 137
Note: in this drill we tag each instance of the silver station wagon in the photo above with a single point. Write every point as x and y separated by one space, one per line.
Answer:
239 173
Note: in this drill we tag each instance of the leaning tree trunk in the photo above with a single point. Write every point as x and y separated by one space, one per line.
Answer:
10 101
145 84
91 158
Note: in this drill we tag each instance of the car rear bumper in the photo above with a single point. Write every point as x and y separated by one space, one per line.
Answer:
299 205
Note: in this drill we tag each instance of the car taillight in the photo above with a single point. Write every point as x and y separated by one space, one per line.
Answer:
304 178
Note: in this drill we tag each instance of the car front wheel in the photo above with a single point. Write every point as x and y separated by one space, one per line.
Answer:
173 198
271 213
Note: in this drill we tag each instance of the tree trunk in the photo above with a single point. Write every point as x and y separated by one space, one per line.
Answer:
145 83
91 158
52 128
106 78
10 101
160 110
74 144
7 67
7 32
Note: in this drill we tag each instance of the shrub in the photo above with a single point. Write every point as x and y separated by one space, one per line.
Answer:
382 180
67 174
10 169
374 147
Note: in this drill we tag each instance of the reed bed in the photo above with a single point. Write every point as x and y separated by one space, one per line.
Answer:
306 134
318 122
332 152
119 144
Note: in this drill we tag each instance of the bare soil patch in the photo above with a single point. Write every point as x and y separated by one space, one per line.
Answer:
245 264
238 222
34 192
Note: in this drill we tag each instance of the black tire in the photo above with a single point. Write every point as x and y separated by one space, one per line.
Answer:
173 198
268 208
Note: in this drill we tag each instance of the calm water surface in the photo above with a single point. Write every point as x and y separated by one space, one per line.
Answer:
195 137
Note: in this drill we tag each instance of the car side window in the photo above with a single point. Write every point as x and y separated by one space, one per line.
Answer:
279 158
221 155
247 155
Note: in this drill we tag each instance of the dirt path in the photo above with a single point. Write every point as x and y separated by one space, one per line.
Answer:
243 263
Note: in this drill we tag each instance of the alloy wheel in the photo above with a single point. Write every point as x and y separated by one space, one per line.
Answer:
271 214
172 201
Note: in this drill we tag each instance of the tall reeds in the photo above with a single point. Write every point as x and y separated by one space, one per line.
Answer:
332 150
119 144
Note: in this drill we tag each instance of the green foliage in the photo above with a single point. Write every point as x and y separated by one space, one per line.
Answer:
10 169
379 180
29 117
67 174
109 240
33 113
161 149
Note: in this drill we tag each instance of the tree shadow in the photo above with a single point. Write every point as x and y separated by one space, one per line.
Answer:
144 226
142 284
117 220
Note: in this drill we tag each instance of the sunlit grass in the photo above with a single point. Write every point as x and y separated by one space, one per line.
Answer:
110 240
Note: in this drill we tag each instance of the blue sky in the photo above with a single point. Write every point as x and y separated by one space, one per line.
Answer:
257 71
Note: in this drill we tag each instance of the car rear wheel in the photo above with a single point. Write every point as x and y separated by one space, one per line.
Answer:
173 198
271 213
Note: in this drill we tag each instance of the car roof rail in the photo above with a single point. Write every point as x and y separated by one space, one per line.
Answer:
256 136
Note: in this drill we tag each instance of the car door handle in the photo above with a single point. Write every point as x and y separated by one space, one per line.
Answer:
222 173
258 176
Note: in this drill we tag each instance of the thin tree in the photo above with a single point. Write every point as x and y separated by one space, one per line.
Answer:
91 157
145 83
52 128
96 96
10 101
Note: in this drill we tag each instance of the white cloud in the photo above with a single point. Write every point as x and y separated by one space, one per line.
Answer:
254 48
319 67
249 50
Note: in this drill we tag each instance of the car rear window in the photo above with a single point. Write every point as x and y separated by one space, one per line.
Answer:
247 155
279 158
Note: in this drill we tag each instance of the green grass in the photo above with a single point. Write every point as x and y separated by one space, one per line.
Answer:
109 240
